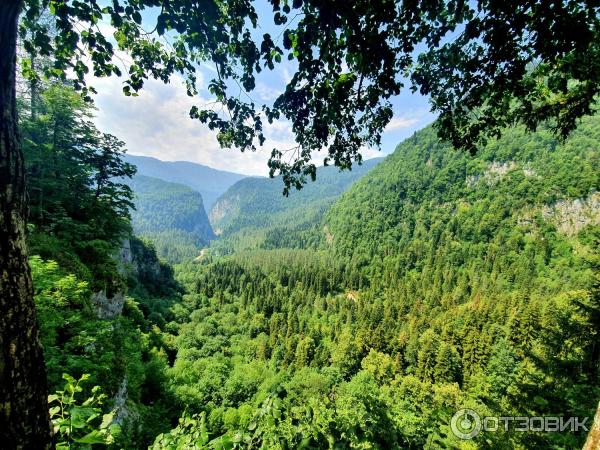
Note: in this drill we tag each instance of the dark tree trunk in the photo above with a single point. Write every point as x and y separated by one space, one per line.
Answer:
24 421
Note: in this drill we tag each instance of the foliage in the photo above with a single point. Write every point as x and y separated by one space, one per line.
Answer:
253 214
484 65
192 433
79 208
437 282
79 425
78 227
72 336
130 347
445 282
175 246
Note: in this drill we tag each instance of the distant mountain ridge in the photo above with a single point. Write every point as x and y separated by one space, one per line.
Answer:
211 183
256 201
171 215
255 213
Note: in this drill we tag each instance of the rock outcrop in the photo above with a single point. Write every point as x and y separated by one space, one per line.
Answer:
572 215
108 307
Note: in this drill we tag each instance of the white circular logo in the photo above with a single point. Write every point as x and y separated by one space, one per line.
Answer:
465 424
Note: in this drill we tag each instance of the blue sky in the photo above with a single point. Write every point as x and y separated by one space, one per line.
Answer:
156 123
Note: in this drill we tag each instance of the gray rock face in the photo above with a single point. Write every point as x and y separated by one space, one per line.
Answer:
222 208
124 257
571 216
111 307
108 308
122 411
496 171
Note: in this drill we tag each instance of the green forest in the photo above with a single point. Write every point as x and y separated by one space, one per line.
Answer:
253 214
399 302
437 281
171 215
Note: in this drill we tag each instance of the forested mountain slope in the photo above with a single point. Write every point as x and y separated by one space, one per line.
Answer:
171 215
442 281
211 183
102 296
253 213
525 191
436 282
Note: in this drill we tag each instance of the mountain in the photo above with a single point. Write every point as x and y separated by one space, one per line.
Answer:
211 183
439 281
255 208
525 182
171 215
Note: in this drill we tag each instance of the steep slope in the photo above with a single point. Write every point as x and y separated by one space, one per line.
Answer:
211 183
254 209
517 182
114 340
171 215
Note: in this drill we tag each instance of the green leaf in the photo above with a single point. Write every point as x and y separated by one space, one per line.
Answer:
93 437
69 378
107 420
80 415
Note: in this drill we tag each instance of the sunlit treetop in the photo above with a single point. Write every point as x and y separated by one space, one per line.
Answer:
485 65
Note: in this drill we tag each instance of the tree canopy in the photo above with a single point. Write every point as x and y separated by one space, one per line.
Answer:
484 65
440 281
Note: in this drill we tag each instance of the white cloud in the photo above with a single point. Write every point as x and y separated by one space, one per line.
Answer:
398 123
156 123
285 73
266 92
369 153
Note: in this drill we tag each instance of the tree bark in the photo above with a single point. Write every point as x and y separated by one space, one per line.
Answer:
24 421
593 439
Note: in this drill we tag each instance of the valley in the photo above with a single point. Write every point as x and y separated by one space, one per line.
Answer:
427 286
418 268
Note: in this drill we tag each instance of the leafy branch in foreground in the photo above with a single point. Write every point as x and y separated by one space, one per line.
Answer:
80 425
484 65
191 433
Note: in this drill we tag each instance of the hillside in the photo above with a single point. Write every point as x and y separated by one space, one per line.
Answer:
425 189
440 281
211 183
254 210
360 319
102 296
171 215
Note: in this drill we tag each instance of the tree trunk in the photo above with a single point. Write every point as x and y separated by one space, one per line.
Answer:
24 422
593 439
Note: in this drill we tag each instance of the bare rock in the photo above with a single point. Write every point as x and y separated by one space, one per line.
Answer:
108 307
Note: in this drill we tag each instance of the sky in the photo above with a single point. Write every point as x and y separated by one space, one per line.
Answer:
157 122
